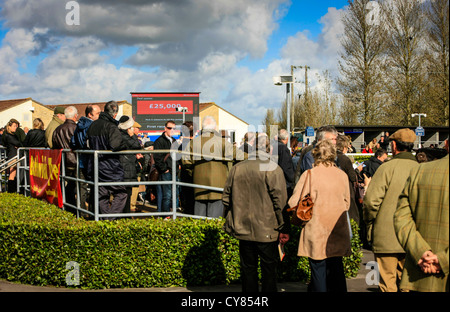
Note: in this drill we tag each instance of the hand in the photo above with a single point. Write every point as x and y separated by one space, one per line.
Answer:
139 156
283 238
429 263
366 181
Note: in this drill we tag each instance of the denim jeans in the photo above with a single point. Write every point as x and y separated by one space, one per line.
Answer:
166 190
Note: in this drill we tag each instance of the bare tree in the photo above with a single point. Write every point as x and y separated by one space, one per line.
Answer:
269 120
437 14
406 67
361 63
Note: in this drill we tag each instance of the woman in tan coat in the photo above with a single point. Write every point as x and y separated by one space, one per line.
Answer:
325 239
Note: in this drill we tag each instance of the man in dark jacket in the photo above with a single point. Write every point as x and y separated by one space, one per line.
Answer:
61 140
79 142
163 163
372 164
103 134
285 160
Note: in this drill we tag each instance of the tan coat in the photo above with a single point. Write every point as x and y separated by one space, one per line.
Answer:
212 159
327 234
54 123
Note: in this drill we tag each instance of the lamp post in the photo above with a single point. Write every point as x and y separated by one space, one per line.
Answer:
278 81
182 109
420 127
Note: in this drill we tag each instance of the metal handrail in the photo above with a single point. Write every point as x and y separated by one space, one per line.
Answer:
10 163
96 183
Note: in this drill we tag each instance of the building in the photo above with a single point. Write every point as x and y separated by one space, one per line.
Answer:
124 107
25 111
229 124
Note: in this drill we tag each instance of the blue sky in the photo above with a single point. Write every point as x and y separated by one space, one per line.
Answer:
227 50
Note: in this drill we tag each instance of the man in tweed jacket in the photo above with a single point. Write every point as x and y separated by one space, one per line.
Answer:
380 203
421 223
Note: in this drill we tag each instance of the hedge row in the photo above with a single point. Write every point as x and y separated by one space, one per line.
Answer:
37 240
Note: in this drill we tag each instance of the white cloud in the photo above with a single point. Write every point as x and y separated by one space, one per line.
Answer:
181 46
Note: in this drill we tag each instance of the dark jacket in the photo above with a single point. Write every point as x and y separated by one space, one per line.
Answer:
129 161
61 140
103 134
79 139
163 143
35 138
285 162
345 164
372 165
254 200
11 142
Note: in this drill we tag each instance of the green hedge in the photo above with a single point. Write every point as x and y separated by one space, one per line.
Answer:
37 240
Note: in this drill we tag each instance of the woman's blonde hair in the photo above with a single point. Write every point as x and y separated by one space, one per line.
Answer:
10 123
324 153
38 124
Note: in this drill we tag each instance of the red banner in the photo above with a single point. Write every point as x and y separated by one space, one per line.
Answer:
44 175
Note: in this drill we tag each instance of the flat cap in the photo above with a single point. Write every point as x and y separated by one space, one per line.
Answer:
403 135
59 110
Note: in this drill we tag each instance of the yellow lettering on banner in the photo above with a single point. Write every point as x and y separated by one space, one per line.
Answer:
31 166
54 170
44 168
51 193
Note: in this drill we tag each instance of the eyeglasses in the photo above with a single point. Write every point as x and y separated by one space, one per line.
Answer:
170 128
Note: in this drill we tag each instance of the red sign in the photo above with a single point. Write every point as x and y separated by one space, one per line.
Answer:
162 107
153 110
44 175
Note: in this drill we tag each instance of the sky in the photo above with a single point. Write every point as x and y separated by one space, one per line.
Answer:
62 52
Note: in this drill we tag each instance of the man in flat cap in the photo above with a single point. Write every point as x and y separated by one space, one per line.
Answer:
58 119
380 203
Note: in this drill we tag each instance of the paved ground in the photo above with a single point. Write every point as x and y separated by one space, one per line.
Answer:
357 284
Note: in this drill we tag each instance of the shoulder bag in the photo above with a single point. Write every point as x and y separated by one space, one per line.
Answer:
302 213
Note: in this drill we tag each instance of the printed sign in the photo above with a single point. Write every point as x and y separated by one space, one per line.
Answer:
44 175
152 110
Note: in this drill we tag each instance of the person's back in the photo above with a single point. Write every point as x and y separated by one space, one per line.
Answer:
421 224
35 138
103 134
211 168
256 198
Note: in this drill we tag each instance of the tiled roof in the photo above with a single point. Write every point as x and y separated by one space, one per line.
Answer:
7 104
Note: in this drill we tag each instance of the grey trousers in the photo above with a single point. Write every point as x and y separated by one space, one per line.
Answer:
206 208
119 194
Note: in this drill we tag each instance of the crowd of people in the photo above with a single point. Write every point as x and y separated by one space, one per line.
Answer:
399 202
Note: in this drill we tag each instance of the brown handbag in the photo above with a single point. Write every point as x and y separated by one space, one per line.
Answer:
302 213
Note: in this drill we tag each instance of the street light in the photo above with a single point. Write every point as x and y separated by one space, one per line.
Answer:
182 109
420 127
278 81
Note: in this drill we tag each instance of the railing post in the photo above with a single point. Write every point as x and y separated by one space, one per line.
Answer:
96 185
174 185
19 150
63 178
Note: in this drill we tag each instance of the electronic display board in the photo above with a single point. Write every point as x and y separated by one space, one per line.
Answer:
153 109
